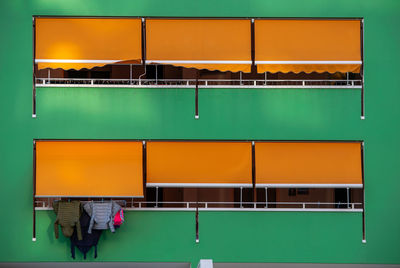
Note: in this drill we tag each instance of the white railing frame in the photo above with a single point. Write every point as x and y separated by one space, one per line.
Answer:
242 206
190 83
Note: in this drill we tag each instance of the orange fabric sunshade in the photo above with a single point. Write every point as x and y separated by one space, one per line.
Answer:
89 168
213 44
298 45
72 43
309 164
199 164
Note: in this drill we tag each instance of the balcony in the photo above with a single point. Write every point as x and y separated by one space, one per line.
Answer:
201 83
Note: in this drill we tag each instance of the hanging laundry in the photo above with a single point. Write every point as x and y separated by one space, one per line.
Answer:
119 218
68 214
88 240
102 215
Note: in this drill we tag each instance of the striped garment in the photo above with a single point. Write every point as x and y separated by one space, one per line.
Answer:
68 214
102 215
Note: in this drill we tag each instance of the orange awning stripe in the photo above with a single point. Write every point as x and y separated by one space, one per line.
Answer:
199 164
334 44
75 43
308 163
214 44
89 168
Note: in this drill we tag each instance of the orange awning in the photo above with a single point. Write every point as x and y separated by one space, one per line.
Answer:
199 164
74 43
213 44
300 45
89 169
308 164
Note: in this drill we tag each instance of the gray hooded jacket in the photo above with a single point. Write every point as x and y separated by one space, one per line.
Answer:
101 215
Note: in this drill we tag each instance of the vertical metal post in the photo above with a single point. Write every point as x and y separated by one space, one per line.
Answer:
48 75
143 41
348 197
143 49
196 97
364 240
144 169
197 223
156 74
266 197
253 171
347 78
156 196
34 193
33 73
241 197
130 74
265 79
252 45
362 71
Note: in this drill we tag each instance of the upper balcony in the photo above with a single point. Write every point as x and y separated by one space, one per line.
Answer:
199 53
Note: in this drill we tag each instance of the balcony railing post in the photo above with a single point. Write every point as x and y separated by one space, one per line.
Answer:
265 79
156 196
241 194
130 74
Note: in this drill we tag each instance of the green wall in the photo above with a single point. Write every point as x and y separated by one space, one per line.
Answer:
224 114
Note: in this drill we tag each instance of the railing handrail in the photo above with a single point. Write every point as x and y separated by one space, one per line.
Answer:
209 204
190 83
200 80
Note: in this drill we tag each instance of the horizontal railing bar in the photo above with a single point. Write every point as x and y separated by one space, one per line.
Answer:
200 80
202 83
341 210
220 203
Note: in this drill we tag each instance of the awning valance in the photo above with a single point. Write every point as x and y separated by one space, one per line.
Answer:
89 169
75 43
305 45
199 164
213 44
308 164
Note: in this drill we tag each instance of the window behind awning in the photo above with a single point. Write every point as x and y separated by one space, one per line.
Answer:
75 43
213 44
89 169
308 164
305 45
199 164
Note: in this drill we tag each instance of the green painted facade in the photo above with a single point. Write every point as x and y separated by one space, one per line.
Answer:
120 113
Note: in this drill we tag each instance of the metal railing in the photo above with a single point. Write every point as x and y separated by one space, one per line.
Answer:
190 83
46 204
